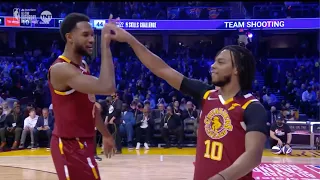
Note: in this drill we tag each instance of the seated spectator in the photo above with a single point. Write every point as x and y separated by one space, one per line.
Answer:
289 114
280 133
171 124
6 108
2 129
13 125
29 123
269 99
190 111
159 113
44 126
308 95
183 104
144 125
176 109
151 101
128 121
135 109
27 110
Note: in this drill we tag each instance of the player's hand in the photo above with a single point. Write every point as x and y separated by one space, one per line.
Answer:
106 30
280 143
117 33
216 177
287 146
108 146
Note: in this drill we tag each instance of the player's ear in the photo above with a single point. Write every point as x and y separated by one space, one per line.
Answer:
235 71
68 37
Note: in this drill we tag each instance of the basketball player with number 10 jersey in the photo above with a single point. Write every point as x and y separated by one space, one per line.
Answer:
232 129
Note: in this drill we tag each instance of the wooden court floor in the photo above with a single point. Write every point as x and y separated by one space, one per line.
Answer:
156 164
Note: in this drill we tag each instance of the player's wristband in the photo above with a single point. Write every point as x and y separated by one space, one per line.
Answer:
222 176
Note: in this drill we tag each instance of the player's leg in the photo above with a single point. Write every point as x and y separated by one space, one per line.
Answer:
81 162
58 158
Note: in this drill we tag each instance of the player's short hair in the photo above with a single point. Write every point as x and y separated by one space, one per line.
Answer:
70 22
245 64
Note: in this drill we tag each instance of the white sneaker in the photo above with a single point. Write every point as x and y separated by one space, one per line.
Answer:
146 146
138 146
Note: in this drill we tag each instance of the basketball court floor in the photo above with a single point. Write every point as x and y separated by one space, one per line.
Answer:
157 164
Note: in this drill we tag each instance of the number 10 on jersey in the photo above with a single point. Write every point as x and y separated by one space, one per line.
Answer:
214 150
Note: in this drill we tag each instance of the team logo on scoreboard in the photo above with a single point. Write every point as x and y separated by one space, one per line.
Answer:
217 123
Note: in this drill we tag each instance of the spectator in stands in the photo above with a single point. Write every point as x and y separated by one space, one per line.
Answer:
2 129
29 124
128 121
269 99
171 124
176 109
159 113
144 124
183 104
308 95
308 103
27 110
190 111
280 132
6 108
13 125
44 126
135 109
151 101
288 113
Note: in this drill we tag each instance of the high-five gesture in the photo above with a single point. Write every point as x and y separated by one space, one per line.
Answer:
106 30
117 33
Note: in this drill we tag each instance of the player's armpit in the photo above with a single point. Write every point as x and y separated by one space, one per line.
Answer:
70 76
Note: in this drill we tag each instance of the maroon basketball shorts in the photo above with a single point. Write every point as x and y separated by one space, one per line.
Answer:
74 158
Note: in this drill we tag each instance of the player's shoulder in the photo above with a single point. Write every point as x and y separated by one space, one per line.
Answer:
62 69
246 99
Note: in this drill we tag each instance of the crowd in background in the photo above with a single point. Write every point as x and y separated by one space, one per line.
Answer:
23 78
170 10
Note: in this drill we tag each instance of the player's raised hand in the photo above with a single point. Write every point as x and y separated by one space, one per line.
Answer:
117 33
106 30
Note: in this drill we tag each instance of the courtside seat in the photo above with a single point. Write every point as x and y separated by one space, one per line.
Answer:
157 128
190 130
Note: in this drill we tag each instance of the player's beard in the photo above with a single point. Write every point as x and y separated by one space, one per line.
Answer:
225 80
81 51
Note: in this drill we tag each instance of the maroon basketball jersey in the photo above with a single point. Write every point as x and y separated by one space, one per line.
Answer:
72 109
221 134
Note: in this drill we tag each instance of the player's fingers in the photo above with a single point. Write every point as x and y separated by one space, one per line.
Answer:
110 17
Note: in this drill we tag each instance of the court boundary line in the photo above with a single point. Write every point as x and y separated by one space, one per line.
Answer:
7 166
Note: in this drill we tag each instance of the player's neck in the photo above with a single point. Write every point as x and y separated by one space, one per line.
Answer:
229 90
73 56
